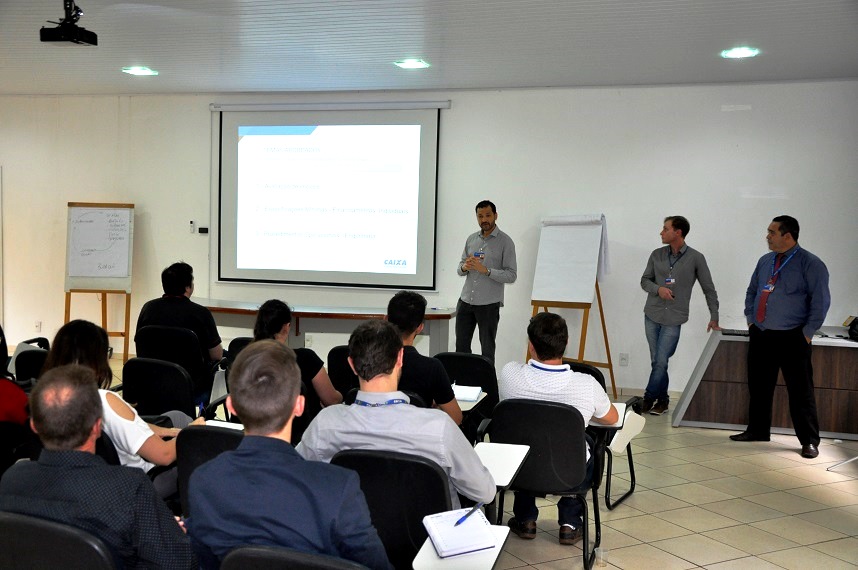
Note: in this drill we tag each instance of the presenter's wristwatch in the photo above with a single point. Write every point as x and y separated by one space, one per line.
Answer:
488 272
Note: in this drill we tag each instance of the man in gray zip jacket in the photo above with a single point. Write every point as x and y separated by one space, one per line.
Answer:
668 279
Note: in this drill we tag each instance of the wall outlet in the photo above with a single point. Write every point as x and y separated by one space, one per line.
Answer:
624 359
308 340
38 326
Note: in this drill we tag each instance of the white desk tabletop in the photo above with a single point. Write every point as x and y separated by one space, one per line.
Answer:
428 559
503 460
468 405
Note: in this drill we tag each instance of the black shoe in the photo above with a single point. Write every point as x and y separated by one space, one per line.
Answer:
809 451
646 405
569 535
525 530
659 408
748 436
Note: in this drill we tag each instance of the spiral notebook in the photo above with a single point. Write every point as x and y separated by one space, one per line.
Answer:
449 540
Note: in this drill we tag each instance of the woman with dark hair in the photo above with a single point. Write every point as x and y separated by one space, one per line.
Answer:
273 321
138 444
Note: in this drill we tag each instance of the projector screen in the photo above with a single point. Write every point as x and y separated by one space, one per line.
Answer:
328 197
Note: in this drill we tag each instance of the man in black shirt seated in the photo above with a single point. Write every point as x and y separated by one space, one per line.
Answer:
421 375
175 309
69 484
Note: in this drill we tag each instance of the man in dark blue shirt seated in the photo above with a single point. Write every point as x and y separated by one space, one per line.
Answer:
70 484
264 493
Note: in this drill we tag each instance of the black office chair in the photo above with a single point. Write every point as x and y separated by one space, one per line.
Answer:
5 359
155 386
29 542
235 346
180 346
28 367
17 442
197 444
473 370
342 376
273 558
557 461
603 439
400 489
312 407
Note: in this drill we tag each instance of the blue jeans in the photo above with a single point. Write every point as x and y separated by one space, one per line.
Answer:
662 341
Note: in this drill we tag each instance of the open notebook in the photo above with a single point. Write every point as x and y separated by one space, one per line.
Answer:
449 540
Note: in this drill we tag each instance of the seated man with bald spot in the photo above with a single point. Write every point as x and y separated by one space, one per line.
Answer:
69 484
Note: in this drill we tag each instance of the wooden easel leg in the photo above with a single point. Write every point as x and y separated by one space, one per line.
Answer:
584 324
67 316
607 345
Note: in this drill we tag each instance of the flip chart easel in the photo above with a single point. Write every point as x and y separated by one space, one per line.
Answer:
98 257
572 256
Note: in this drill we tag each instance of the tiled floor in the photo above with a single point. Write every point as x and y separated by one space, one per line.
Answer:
703 501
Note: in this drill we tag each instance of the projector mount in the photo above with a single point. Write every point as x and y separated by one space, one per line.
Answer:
67 29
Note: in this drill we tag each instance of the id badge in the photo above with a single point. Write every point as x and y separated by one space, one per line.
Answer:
479 254
668 281
769 287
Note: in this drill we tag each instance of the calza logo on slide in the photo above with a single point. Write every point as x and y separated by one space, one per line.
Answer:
394 262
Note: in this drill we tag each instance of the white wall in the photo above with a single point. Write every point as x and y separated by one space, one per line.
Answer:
635 154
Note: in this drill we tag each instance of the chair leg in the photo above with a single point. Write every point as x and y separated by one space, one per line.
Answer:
612 504
500 506
589 553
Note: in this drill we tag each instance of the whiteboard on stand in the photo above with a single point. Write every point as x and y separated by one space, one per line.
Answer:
99 245
572 256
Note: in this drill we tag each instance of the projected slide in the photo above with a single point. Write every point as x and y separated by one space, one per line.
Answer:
328 197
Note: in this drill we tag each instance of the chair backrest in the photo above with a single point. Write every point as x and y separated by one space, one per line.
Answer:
342 376
557 461
105 449
273 558
576 366
471 370
197 444
400 489
29 364
155 386
312 407
30 542
236 345
180 346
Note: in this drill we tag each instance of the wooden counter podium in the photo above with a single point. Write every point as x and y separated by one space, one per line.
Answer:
306 319
717 393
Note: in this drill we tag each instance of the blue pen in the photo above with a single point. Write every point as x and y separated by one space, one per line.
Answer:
469 513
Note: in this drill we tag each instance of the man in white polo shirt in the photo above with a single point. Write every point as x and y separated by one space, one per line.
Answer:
545 377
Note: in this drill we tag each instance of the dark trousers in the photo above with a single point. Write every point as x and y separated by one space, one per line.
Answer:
468 317
569 509
789 352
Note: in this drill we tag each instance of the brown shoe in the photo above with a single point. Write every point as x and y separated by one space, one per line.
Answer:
525 530
569 535
659 408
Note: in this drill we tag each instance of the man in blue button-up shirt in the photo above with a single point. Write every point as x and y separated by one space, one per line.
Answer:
786 302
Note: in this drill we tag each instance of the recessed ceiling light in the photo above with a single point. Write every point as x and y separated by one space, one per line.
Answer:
412 64
139 70
740 52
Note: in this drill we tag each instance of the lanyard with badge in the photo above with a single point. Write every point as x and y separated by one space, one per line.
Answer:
380 404
670 280
775 272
